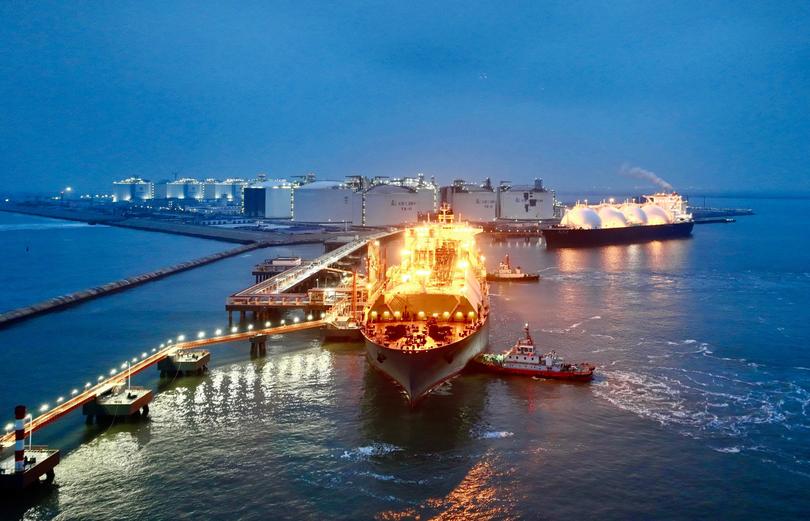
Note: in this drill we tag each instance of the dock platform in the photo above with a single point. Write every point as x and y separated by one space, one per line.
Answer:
185 363
121 403
39 461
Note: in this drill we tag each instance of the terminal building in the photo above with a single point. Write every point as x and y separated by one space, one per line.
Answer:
133 189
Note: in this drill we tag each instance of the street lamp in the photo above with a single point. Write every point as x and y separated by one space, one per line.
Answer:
30 419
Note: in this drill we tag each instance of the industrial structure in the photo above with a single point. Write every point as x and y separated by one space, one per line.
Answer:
271 199
353 201
474 202
133 189
136 189
482 203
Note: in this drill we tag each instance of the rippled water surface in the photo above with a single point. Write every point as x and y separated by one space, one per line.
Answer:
700 408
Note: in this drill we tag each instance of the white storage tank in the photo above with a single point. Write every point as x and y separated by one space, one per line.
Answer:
392 204
326 202
582 216
186 188
472 202
611 217
132 189
634 214
525 203
656 214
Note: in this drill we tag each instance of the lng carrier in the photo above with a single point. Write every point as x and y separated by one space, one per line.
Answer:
661 216
427 316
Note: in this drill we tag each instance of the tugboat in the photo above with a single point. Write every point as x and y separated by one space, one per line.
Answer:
522 359
506 273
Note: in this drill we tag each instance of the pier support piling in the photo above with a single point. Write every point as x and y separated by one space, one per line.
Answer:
258 346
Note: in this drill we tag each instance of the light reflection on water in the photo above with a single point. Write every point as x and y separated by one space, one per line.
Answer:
700 407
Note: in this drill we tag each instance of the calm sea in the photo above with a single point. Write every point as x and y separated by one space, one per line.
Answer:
701 408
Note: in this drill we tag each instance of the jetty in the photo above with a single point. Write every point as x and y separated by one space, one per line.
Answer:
72 299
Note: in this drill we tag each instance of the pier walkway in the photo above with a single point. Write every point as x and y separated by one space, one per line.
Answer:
147 360
271 289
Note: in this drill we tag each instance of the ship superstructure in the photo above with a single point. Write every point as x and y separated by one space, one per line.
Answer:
427 316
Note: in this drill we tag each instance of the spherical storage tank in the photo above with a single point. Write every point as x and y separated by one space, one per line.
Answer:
656 214
612 217
582 217
633 214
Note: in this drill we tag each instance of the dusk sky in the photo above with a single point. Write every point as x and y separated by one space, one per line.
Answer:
707 96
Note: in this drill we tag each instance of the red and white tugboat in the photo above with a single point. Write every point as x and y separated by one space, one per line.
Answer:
522 359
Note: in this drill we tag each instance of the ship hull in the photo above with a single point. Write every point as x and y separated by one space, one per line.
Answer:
577 376
419 372
581 238
492 277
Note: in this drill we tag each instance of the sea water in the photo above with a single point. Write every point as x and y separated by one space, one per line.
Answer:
700 407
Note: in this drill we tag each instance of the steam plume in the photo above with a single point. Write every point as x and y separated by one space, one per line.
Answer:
640 173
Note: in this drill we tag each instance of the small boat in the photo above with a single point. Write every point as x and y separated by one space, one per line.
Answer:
522 359
506 273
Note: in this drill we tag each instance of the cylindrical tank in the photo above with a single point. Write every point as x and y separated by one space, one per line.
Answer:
582 217
656 214
612 217
633 214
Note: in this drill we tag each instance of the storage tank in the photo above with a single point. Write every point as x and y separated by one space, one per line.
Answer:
186 188
472 202
633 214
656 214
269 199
611 217
326 202
391 204
525 202
133 188
581 216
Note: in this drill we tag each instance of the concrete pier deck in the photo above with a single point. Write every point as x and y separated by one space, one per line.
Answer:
39 461
185 362
119 403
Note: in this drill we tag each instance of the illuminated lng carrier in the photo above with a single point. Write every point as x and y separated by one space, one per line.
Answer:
427 316
661 216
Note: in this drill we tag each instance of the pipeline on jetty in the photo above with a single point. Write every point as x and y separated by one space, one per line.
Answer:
78 297
90 393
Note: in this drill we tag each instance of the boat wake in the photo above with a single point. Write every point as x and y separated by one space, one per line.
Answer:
726 401
375 450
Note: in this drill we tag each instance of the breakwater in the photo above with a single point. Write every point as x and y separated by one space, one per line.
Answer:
72 299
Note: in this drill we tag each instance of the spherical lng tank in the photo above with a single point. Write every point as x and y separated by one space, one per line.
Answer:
656 214
612 217
633 214
582 217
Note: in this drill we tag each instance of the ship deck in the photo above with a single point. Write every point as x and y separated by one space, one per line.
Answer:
415 336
